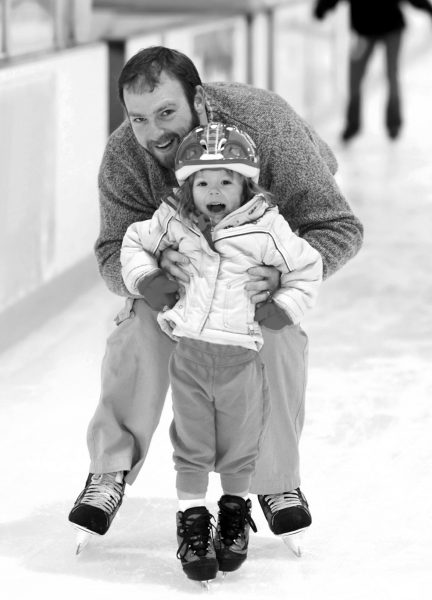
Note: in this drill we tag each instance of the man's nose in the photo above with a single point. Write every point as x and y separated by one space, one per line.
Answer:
153 132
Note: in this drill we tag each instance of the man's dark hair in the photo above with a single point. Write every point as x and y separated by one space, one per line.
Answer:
143 70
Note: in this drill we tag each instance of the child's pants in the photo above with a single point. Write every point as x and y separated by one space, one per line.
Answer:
220 405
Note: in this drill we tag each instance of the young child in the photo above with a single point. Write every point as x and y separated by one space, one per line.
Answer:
225 223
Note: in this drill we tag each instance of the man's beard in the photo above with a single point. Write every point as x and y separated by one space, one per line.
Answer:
168 160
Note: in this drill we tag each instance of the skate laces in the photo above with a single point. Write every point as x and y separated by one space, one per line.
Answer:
104 491
197 534
284 500
232 520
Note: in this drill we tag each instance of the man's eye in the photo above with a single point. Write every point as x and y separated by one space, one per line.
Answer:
137 120
167 113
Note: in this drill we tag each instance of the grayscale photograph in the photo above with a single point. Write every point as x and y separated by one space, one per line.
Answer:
216 299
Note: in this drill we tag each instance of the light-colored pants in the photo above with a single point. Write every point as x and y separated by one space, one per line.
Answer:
135 382
220 405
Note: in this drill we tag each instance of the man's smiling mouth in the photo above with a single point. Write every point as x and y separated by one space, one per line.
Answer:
165 145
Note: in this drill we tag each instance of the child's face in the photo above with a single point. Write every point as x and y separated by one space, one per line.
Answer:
217 192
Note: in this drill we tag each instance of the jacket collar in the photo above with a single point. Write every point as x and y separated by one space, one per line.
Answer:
247 213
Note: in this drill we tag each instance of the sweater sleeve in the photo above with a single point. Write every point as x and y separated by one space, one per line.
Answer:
300 266
298 167
125 197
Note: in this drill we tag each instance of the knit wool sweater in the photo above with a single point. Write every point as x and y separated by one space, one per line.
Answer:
297 167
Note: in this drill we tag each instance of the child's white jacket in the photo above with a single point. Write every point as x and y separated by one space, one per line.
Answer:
214 306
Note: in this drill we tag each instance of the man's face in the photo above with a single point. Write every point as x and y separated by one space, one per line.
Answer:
162 117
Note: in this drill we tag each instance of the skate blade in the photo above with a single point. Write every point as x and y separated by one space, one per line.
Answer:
83 536
205 585
294 541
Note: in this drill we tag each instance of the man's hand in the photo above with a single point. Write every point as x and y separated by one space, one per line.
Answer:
173 262
159 291
264 281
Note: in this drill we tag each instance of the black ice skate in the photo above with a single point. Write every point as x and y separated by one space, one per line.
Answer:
232 532
97 505
287 515
196 549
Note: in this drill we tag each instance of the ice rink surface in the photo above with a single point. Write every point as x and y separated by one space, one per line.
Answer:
366 447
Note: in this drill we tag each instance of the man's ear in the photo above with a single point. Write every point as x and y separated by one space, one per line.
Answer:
199 100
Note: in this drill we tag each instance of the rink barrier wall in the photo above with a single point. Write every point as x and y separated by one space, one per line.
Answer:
53 119
46 301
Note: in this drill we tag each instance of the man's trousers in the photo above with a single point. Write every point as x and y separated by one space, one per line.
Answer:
135 382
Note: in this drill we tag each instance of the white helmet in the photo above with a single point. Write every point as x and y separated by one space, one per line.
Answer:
216 146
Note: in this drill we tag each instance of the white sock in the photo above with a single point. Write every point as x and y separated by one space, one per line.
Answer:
190 503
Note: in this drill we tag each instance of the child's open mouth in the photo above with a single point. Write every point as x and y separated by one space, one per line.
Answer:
216 208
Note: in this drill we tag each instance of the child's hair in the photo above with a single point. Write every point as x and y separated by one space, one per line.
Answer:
186 205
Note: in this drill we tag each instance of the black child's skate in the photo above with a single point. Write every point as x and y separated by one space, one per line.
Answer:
97 505
288 516
196 549
232 532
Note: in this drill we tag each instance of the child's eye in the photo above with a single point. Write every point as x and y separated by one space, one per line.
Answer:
226 182
201 183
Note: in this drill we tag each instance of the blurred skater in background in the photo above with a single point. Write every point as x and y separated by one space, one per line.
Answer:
373 22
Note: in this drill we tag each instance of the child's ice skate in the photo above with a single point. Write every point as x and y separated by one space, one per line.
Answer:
288 516
232 532
196 549
96 506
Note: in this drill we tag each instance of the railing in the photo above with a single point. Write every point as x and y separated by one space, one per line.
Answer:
34 26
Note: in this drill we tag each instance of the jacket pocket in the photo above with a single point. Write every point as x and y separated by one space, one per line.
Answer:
238 311
126 312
